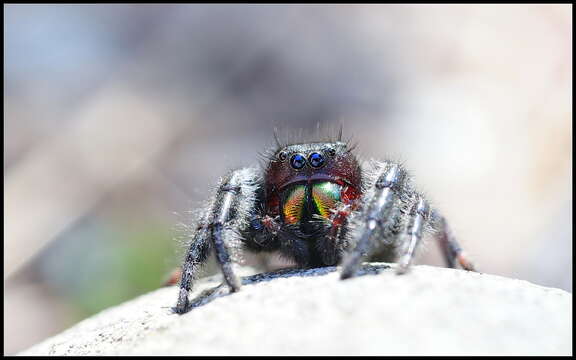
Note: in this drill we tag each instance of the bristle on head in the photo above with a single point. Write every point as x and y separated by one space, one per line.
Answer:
322 134
284 137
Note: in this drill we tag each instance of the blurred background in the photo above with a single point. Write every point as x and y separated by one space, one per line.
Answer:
119 120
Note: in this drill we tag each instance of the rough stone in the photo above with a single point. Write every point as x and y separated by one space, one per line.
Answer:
429 311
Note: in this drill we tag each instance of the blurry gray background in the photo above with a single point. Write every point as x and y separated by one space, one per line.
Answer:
119 119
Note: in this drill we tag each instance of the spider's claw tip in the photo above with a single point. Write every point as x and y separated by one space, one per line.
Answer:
235 287
401 269
180 309
346 274
465 263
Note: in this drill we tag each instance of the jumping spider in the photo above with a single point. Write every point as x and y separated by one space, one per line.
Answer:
318 205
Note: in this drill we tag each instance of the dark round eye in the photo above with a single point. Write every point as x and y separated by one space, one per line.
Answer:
316 159
282 155
298 161
332 152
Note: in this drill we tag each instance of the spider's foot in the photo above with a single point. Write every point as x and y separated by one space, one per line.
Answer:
346 275
233 283
181 307
402 269
234 288
403 265
465 263
351 264
348 271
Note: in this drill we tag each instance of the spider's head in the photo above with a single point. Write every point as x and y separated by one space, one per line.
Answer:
311 163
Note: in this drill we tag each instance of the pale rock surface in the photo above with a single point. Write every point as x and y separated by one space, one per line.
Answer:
429 311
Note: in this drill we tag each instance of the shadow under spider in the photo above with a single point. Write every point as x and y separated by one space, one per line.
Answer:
209 295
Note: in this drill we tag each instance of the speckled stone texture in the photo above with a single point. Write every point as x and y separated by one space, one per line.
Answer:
429 311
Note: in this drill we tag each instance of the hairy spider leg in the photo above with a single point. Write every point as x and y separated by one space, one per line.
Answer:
379 213
230 190
221 223
418 215
450 247
197 254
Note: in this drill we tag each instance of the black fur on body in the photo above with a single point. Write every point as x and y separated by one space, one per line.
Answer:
379 215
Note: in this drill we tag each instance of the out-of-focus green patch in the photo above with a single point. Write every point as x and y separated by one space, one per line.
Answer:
129 262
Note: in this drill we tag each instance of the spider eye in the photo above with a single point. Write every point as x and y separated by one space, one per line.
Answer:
316 159
332 152
282 155
297 161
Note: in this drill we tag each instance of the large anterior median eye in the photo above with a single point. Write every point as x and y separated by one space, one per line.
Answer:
325 196
297 161
294 199
316 160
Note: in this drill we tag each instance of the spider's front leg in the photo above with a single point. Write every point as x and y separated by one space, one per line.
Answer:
379 218
225 218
